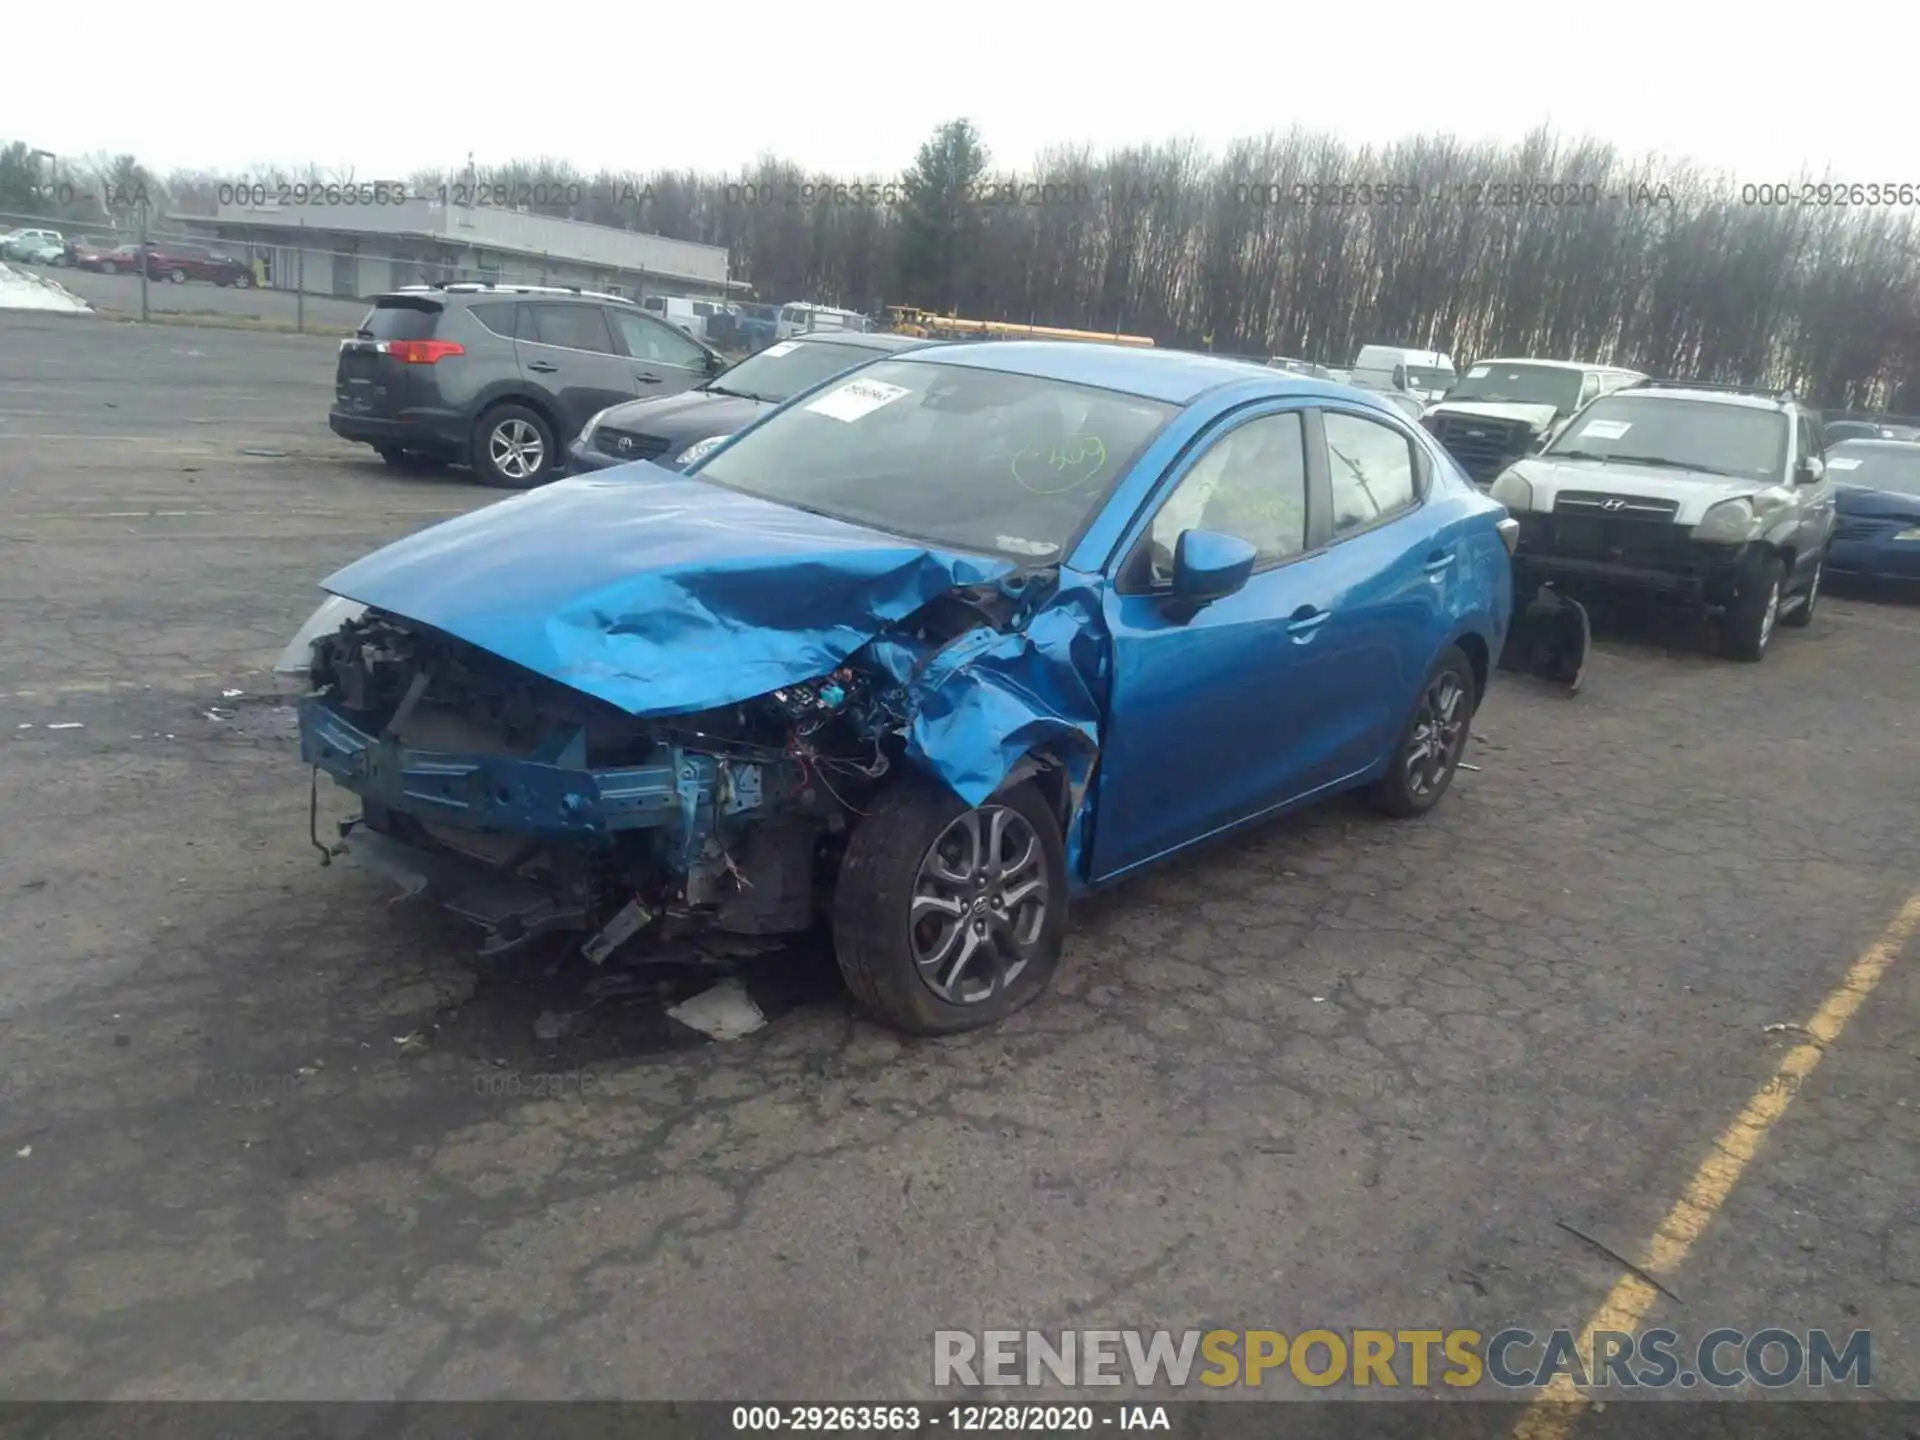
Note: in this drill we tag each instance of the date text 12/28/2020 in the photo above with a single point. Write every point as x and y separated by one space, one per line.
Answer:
960 1419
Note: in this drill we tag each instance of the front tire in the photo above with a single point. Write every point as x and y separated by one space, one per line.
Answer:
1434 741
178 277
513 448
1748 624
947 918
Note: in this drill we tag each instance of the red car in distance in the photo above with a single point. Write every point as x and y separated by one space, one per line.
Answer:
176 262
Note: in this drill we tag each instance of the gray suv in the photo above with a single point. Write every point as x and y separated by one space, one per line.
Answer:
1713 495
502 377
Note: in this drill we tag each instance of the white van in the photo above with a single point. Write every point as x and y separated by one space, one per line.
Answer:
687 316
800 318
1426 375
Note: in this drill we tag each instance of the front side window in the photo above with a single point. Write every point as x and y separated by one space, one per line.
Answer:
1251 482
970 458
1372 471
649 339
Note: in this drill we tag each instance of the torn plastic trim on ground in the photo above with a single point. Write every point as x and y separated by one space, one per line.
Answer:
659 595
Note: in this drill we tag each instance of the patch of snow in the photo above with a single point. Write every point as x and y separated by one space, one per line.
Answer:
23 290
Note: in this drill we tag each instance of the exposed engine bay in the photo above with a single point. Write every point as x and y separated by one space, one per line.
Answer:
531 807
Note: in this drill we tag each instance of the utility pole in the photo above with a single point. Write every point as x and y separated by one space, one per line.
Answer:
300 281
146 259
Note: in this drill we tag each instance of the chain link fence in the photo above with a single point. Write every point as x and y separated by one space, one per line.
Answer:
280 281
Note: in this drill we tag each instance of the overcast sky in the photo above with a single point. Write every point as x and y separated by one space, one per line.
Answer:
854 89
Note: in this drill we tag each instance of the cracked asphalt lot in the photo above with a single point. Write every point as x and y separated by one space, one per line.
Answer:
1339 1072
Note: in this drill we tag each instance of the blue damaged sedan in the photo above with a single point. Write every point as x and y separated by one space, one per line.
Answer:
928 650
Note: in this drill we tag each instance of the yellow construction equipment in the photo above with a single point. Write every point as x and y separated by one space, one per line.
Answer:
906 320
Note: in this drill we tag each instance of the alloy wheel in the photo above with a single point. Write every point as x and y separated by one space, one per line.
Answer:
516 449
979 905
1439 730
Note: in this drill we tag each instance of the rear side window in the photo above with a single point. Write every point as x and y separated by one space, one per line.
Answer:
400 319
573 327
654 303
496 315
1372 471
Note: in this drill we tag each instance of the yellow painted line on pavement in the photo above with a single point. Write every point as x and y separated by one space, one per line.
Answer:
1553 1415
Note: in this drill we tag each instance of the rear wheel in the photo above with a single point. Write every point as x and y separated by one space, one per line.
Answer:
1435 739
1747 626
512 448
244 282
178 277
947 918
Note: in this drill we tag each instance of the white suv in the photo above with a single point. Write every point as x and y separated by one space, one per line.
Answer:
1713 495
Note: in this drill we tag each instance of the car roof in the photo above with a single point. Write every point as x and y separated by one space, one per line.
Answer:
1177 377
1556 364
1700 397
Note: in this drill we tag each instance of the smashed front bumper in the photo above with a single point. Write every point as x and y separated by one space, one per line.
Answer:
550 796
528 845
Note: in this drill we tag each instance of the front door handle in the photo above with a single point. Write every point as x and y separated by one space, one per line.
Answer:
1438 562
1306 623
542 366
645 379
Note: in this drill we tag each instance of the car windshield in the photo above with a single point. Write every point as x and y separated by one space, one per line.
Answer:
1498 383
1876 467
1744 441
781 371
974 459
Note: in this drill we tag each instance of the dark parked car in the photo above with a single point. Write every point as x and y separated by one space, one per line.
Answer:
927 650
1877 496
677 430
181 263
502 377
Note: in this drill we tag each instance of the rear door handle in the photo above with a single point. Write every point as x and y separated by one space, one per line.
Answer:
646 379
542 366
1438 562
1306 623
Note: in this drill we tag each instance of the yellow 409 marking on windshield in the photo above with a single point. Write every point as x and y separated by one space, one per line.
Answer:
1069 464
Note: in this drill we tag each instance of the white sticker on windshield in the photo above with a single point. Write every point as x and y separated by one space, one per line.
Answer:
856 398
1479 372
1605 429
785 347
1843 463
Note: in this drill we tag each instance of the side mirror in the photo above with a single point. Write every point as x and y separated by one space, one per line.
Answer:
715 363
1209 566
1812 470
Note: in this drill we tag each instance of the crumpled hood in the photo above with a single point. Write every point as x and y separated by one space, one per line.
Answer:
659 594
1539 417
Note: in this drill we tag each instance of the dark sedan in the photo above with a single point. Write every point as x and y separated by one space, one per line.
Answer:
1877 496
676 430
